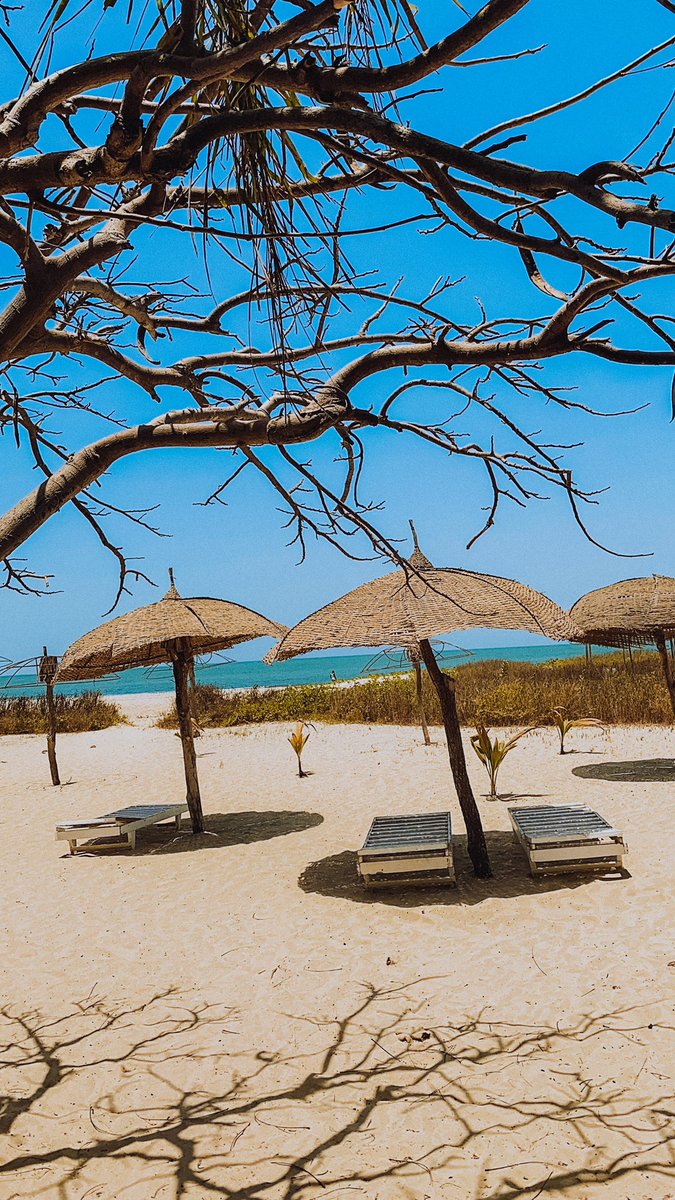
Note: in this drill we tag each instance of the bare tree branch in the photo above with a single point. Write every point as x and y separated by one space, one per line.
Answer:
249 136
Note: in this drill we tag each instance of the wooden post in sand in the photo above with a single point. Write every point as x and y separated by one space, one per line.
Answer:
181 656
445 686
667 667
46 671
420 703
192 689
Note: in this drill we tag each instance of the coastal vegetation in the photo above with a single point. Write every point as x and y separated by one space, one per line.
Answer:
613 690
74 714
493 751
565 724
298 740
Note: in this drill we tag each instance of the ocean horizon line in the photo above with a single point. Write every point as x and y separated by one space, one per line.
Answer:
297 672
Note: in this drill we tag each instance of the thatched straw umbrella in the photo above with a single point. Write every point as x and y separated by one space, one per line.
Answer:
173 630
634 612
407 608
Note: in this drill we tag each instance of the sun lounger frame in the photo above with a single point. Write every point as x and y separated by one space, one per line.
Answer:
414 849
560 838
118 828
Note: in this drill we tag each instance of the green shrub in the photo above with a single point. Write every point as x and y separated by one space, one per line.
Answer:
74 714
492 693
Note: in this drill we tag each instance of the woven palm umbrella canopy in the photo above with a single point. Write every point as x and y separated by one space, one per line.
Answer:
174 630
408 608
632 612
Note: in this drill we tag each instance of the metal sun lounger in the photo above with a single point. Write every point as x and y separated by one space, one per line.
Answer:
122 825
567 837
414 849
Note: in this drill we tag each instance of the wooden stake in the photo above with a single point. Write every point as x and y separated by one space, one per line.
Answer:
46 672
420 703
667 667
445 686
181 658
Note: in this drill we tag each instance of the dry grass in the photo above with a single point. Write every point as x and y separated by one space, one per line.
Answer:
490 693
74 714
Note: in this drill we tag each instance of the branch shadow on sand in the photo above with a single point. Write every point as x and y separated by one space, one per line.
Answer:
176 1097
337 876
647 770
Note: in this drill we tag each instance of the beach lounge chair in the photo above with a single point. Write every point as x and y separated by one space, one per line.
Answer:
414 850
118 828
567 837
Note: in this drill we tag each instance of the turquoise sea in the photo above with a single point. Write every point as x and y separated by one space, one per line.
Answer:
310 669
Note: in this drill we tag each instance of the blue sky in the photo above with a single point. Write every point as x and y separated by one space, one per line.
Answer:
240 551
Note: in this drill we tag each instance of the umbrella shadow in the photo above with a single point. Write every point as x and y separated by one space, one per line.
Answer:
337 876
222 830
647 770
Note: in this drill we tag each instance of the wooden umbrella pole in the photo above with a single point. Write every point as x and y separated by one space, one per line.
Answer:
445 686
420 703
192 692
181 670
46 672
667 668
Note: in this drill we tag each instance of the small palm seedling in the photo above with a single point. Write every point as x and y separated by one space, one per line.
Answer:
563 724
298 740
492 753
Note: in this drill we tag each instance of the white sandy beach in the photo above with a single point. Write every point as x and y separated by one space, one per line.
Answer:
231 1015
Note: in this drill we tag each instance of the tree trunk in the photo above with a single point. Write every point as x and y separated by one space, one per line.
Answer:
420 704
181 670
445 686
667 668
